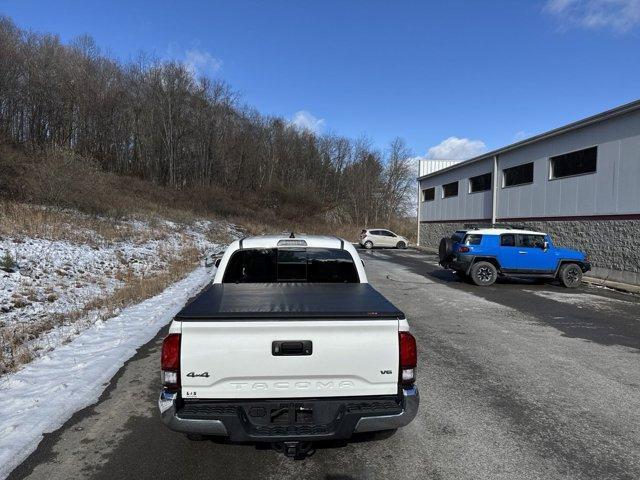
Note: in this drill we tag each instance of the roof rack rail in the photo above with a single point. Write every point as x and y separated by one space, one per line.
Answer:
506 226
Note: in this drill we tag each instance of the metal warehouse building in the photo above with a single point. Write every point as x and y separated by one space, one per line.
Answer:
580 183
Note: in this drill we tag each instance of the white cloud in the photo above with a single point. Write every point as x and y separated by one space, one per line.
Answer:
306 121
454 148
201 62
618 15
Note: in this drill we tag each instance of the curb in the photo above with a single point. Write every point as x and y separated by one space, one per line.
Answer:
623 287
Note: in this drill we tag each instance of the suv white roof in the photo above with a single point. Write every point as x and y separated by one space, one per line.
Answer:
500 231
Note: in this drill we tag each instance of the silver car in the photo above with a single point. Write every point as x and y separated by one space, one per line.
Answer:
380 237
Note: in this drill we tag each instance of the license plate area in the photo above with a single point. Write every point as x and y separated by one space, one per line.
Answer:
291 414
284 413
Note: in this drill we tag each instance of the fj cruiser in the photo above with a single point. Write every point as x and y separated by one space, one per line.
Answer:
289 345
482 255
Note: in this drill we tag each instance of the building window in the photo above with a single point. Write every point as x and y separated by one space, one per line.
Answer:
450 190
429 194
574 163
480 183
517 175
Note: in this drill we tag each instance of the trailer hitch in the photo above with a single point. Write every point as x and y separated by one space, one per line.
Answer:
295 450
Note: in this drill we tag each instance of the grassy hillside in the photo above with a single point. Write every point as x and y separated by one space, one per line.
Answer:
60 178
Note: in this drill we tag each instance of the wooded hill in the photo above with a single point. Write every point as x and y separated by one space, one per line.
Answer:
156 121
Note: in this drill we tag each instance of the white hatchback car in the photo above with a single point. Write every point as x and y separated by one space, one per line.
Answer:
379 237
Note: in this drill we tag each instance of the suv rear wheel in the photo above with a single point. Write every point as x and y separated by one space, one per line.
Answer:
483 274
570 275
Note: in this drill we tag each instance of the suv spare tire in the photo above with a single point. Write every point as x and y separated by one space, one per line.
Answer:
445 249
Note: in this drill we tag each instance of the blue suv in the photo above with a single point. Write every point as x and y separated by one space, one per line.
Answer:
482 255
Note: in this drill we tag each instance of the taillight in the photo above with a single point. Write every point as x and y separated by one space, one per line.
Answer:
170 361
463 249
408 359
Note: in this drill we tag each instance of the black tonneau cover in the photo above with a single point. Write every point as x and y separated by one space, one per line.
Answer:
248 301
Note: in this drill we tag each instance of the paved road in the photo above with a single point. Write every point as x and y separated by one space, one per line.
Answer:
518 380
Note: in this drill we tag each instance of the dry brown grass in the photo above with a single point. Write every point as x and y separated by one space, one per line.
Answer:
21 219
63 179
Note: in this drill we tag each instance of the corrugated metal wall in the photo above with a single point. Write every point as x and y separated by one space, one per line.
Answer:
466 205
428 165
614 189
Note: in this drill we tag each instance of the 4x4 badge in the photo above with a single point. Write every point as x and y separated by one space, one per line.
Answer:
194 374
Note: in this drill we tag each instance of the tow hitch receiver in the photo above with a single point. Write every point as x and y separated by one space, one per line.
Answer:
295 450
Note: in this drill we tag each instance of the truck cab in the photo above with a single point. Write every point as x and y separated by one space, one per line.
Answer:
288 345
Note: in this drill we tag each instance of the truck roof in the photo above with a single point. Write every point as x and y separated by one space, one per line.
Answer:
280 301
314 241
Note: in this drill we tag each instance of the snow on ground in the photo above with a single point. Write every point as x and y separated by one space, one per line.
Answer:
582 300
57 278
46 392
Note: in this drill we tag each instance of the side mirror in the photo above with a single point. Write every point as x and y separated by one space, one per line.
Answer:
545 245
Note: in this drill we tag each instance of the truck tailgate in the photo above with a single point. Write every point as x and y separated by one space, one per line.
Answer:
236 359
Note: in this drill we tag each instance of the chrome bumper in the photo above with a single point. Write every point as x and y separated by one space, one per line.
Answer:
167 405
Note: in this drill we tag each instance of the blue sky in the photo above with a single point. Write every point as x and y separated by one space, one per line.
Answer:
485 72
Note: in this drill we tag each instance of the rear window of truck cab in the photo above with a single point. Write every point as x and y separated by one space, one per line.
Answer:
281 265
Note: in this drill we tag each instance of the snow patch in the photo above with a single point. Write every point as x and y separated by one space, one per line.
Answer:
56 278
582 300
48 391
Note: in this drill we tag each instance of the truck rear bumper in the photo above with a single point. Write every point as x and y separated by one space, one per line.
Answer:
328 418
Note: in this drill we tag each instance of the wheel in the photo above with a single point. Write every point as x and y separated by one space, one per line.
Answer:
368 244
570 275
483 274
445 249
401 245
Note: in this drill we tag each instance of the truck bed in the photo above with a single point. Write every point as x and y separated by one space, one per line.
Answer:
250 301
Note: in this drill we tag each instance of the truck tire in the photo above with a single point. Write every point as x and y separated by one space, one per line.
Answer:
401 245
570 275
368 244
483 274
445 249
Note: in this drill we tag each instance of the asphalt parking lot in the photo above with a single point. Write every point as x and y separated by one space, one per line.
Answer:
517 380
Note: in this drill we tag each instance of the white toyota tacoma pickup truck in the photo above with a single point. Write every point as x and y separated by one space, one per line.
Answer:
289 345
